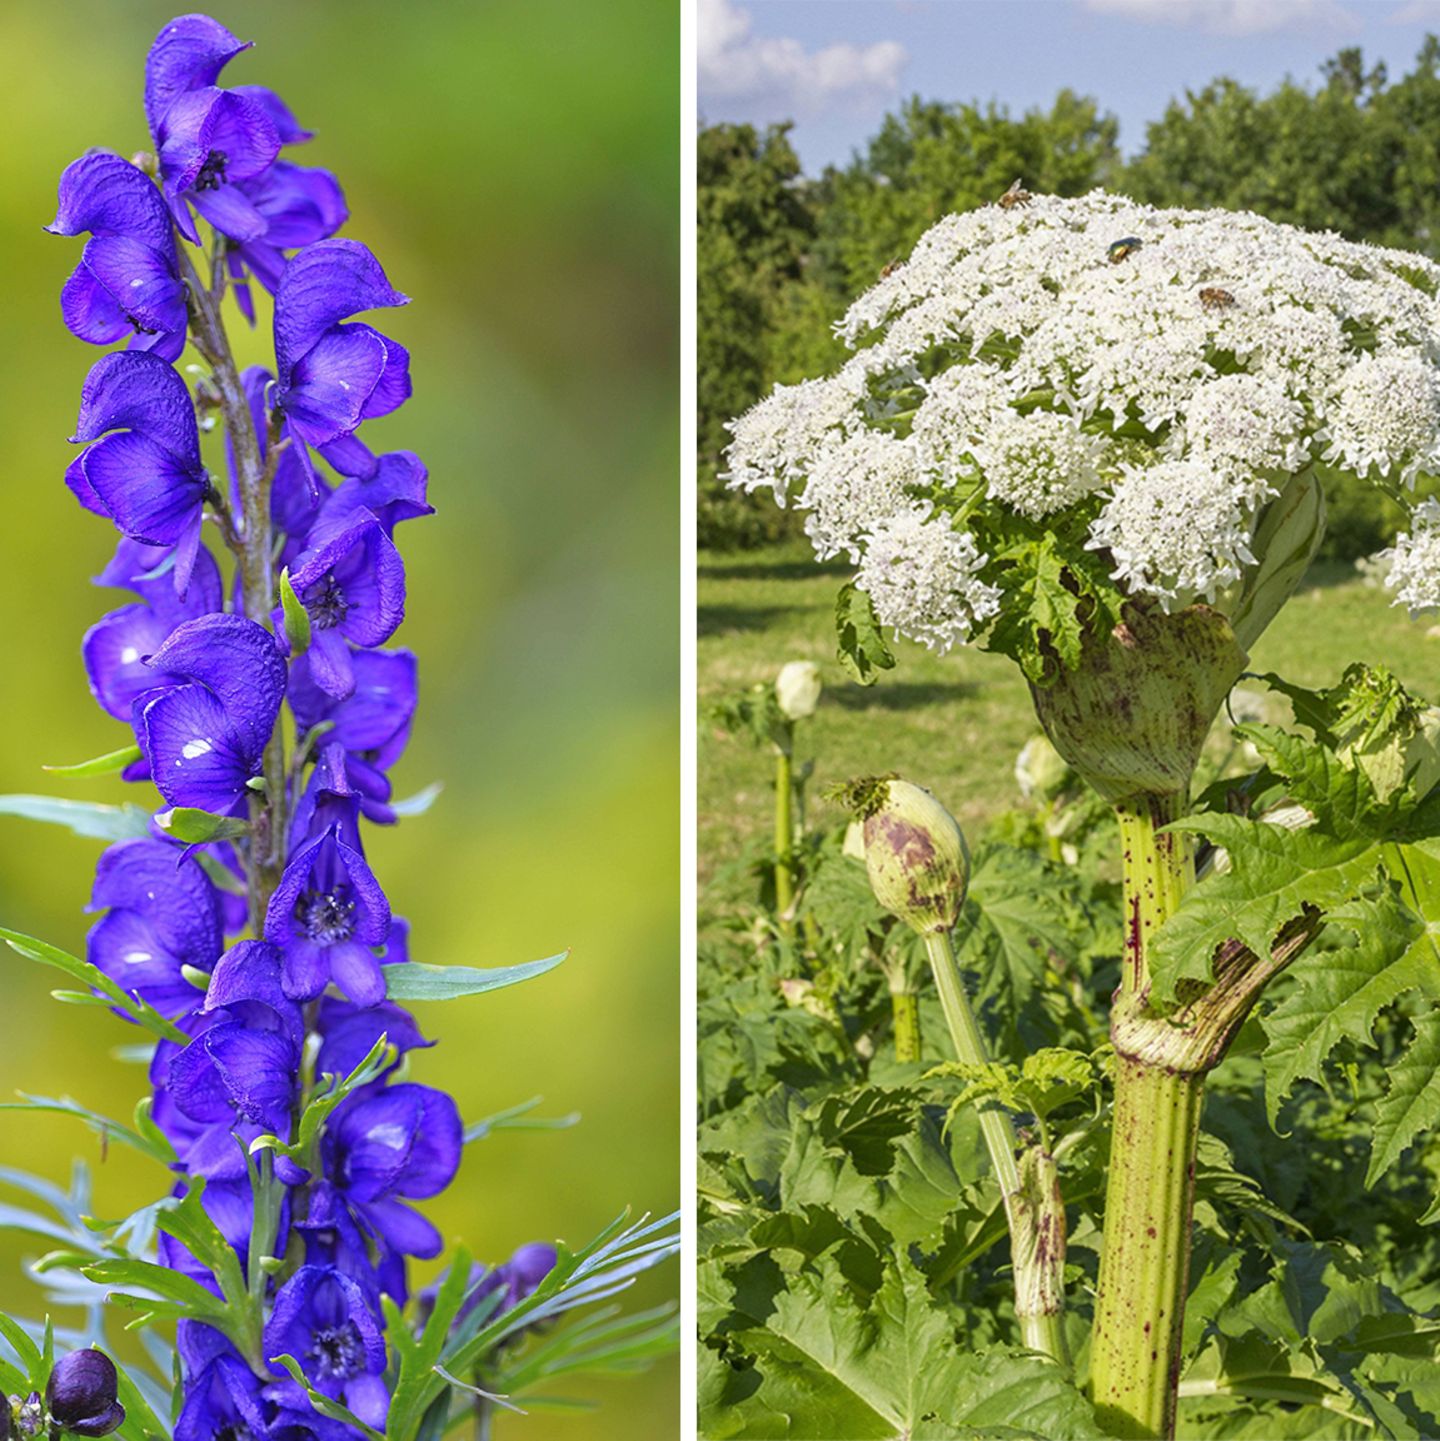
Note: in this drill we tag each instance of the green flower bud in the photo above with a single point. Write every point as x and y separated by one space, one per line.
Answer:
915 853
797 689
1040 770
1133 716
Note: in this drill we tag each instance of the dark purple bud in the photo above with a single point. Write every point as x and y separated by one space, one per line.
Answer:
80 1395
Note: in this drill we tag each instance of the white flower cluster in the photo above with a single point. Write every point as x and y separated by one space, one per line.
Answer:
1412 565
1165 369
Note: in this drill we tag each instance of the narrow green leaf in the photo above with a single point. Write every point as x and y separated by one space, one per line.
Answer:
420 802
91 975
297 618
85 818
414 981
154 1144
109 764
518 1118
185 823
322 1403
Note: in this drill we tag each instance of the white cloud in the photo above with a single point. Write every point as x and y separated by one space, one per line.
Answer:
777 77
1416 12
1231 17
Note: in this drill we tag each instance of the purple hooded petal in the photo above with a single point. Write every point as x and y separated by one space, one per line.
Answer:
403 1141
134 390
237 660
374 588
287 127
330 662
104 194
114 651
194 754
230 211
404 1229
258 1070
323 284
307 969
123 944
248 985
80 488
374 720
348 455
141 279
327 391
188 54
349 1031
90 311
301 204
355 969
149 493
393 388
175 896
397 490
221 1399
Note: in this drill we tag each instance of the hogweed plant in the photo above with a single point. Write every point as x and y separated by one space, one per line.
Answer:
1095 437
243 933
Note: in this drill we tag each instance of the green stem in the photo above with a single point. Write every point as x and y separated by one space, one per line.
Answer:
1033 1210
1145 1257
905 1009
1145 1262
784 840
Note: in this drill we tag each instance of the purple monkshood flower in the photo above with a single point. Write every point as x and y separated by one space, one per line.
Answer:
145 474
239 1075
325 1321
162 913
127 284
208 140
206 739
516 1278
333 376
372 723
396 491
116 647
403 1141
348 1032
327 912
80 1394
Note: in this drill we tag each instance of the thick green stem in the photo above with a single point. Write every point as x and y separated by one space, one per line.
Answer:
784 840
1145 1258
905 1010
1033 1210
1145 1262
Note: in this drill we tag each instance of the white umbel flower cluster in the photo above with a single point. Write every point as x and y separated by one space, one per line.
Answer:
1412 566
1140 381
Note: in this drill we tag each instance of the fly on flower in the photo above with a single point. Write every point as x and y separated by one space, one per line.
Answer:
1015 196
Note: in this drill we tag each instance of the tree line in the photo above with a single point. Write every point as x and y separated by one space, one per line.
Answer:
780 255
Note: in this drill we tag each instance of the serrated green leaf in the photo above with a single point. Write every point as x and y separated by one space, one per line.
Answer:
861 648
1339 992
107 765
415 981
1412 1102
85 818
1274 874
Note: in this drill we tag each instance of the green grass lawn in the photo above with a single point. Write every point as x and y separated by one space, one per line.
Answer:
953 723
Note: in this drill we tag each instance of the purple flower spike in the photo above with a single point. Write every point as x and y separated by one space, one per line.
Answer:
327 912
206 739
127 284
351 581
80 1395
162 913
147 475
333 376
324 1321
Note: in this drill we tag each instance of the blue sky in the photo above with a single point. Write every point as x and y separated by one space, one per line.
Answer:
836 66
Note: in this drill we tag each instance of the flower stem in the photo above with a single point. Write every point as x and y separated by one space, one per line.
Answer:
905 1012
1145 1262
265 854
784 840
1145 1257
1033 1210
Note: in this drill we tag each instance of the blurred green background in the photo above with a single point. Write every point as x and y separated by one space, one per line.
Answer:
514 164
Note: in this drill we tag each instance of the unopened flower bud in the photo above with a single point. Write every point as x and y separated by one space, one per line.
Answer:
915 853
797 689
80 1395
1040 770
